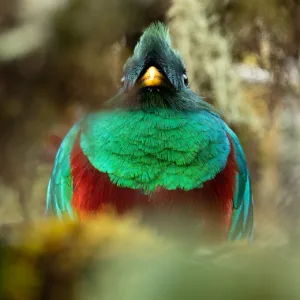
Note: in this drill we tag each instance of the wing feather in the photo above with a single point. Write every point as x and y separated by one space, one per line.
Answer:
242 219
59 193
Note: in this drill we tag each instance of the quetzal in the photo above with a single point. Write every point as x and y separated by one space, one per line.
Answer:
162 147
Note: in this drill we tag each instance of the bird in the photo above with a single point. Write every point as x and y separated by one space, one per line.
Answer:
161 147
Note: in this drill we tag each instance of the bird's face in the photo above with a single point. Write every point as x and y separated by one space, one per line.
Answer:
155 74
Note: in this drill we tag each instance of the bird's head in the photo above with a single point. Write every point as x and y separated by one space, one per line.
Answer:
155 74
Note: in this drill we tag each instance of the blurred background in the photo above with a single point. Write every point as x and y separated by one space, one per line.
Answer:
60 59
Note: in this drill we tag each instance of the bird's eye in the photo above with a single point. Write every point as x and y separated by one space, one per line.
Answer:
185 80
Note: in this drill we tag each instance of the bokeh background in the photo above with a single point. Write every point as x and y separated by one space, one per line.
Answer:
60 59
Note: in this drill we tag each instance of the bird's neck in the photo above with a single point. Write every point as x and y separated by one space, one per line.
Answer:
153 99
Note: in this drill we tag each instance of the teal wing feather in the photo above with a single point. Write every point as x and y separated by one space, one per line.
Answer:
242 219
59 193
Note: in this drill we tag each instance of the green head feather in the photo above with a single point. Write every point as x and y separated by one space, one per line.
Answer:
155 49
155 33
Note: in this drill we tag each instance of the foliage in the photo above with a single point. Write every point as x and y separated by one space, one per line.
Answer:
111 258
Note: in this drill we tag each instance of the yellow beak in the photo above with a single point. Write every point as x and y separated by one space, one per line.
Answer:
152 77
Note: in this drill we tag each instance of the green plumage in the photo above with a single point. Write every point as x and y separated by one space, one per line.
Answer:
60 187
159 147
242 219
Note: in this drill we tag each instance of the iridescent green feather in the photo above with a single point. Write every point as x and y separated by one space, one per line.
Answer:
156 148
59 193
242 218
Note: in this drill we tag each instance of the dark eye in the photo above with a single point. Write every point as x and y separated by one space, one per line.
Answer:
185 80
